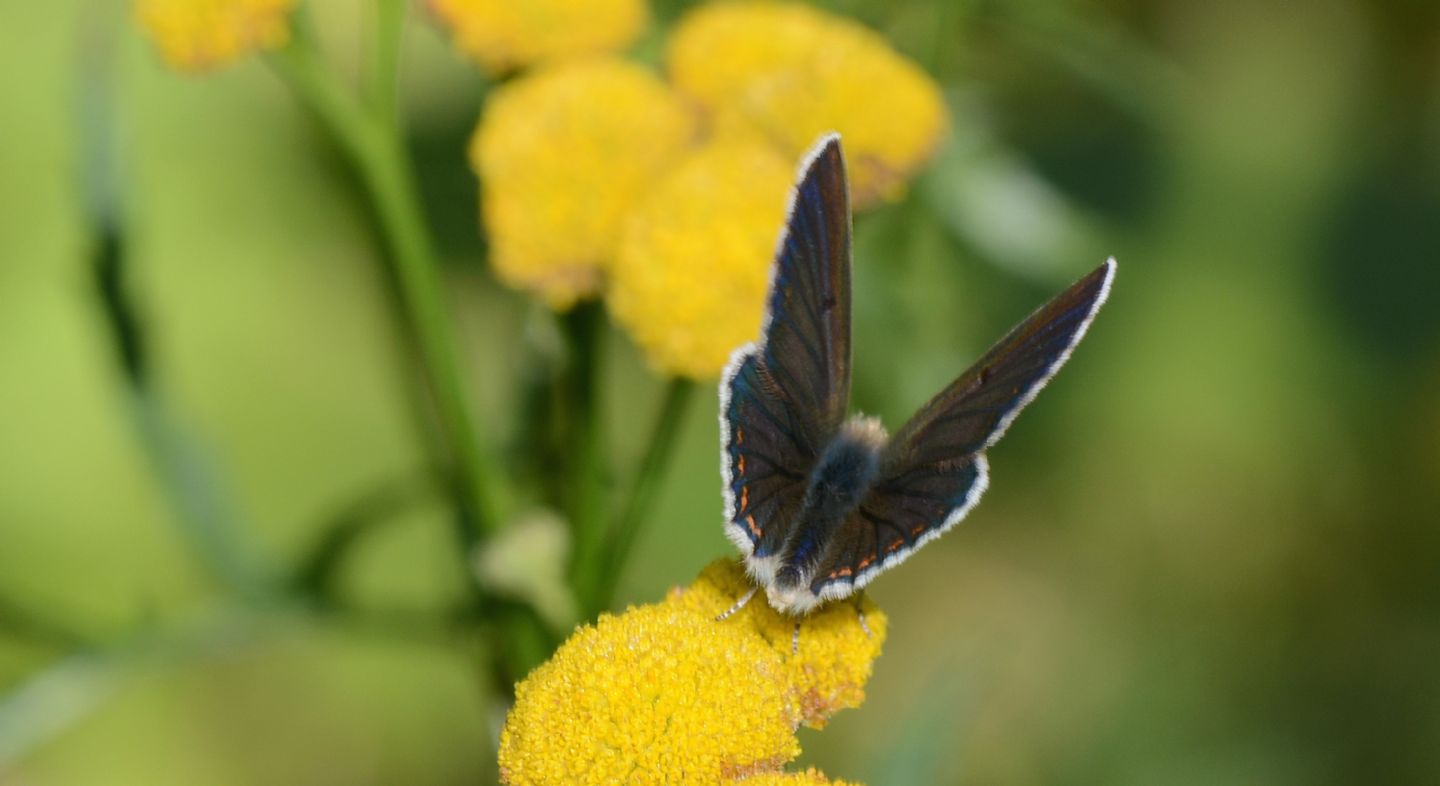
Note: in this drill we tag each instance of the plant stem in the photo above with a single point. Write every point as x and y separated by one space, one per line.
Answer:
22 622
192 489
641 496
373 146
584 328
383 87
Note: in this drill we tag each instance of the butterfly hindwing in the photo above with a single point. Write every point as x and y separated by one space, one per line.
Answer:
933 471
783 398
899 515
766 458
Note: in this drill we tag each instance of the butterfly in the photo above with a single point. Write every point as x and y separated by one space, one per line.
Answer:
820 504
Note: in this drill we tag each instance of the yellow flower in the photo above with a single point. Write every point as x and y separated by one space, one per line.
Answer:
196 34
798 72
690 277
506 34
830 665
563 154
810 777
664 693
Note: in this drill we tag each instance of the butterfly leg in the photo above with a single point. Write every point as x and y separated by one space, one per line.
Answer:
795 639
739 604
860 614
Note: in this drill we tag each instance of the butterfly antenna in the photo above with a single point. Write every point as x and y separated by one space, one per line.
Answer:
739 604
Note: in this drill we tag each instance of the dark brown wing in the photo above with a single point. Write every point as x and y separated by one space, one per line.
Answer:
784 397
933 470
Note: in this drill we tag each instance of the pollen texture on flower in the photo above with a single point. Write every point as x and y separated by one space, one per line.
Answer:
193 35
563 155
506 34
810 777
693 266
797 72
834 653
665 693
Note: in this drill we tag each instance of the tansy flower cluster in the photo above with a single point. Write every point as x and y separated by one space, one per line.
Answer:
665 196
599 178
193 35
797 73
665 693
503 35
547 154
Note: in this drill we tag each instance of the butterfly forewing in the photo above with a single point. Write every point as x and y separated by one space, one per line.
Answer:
784 397
933 470
973 412
805 341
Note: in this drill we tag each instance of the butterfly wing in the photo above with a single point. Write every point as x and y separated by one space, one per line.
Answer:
933 470
783 397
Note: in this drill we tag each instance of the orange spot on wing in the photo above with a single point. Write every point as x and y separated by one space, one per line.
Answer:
864 563
916 530
895 544
839 573
754 530
739 436
740 464
744 497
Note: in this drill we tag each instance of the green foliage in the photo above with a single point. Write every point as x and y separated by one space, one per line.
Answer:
244 387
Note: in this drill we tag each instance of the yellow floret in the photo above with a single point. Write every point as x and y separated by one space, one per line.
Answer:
667 694
693 266
643 698
506 34
835 653
196 34
810 777
797 72
755 40
563 155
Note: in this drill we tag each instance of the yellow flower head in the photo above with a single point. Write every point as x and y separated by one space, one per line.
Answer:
196 34
507 34
830 666
810 777
563 155
691 274
798 72
666 694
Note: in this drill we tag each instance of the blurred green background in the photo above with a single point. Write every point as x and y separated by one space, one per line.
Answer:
1210 553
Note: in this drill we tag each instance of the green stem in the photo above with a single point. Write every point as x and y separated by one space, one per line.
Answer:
647 482
374 147
25 623
389 22
194 492
584 328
